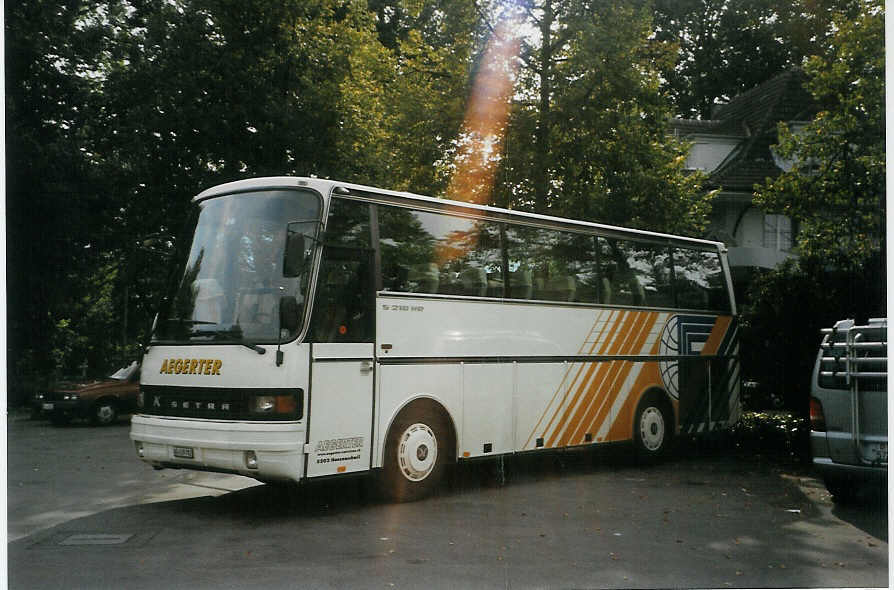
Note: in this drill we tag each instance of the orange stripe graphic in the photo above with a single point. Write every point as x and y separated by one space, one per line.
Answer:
650 376
717 334
580 369
615 328
611 343
605 323
635 331
593 420
611 384
619 388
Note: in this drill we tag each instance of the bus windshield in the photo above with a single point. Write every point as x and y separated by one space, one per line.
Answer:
238 284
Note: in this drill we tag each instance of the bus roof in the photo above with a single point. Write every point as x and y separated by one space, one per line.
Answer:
326 188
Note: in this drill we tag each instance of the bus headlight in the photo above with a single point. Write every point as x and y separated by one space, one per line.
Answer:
280 406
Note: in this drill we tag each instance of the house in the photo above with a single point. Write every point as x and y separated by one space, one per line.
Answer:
735 149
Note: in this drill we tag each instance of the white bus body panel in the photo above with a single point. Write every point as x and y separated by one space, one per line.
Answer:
489 363
341 407
220 445
401 384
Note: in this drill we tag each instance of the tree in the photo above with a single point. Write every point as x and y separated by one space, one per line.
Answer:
56 205
835 187
726 48
835 190
787 307
432 45
120 111
587 133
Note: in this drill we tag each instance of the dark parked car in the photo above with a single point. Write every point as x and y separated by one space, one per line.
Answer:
100 401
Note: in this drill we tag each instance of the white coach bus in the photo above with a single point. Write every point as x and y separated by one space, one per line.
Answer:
322 328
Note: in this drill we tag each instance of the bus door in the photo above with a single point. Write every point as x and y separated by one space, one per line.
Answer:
342 364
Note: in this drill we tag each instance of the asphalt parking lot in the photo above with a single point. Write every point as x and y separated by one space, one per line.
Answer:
84 513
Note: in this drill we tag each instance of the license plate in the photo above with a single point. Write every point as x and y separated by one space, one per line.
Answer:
184 453
881 452
875 452
48 406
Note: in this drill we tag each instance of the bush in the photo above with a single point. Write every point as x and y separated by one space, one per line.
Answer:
781 321
779 435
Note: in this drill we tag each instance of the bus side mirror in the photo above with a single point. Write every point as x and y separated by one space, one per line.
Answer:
293 261
288 314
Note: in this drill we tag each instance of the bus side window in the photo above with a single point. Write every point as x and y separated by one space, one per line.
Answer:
435 253
551 265
639 272
699 280
618 285
344 303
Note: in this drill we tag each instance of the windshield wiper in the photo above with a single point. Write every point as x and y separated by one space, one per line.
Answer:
188 322
254 347
181 321
235 332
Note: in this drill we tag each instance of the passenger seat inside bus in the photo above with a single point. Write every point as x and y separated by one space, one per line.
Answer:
521 285
605 291
209 301
637 291
474 281
555 288
423 278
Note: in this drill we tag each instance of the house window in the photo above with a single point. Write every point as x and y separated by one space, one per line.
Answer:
777 233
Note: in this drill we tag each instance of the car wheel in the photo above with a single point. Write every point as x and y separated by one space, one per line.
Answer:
104 412
416 453
653 428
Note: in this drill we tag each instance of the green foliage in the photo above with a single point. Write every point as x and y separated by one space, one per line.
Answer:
781 324
55 217
727 48
587 136
431 46
835 189
118 111
783 436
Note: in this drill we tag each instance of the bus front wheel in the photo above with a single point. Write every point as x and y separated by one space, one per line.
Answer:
653 428
416 453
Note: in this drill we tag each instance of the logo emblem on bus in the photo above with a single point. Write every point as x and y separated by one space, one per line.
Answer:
191 366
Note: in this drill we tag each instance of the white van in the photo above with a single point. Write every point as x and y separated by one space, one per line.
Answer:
849 407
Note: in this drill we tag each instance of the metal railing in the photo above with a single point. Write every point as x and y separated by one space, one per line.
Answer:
864 351
857 352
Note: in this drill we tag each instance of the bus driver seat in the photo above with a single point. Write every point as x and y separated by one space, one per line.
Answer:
209 301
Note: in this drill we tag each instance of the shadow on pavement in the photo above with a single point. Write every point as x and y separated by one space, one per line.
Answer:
868 511
575 519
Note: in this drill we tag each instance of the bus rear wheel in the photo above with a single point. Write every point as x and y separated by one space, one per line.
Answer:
416 453
653 428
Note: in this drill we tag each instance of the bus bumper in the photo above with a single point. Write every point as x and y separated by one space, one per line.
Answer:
266 451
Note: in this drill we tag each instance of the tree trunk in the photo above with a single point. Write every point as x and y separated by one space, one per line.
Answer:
541 172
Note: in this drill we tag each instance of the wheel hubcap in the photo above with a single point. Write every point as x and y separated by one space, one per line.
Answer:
651 428
104 413
417 452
